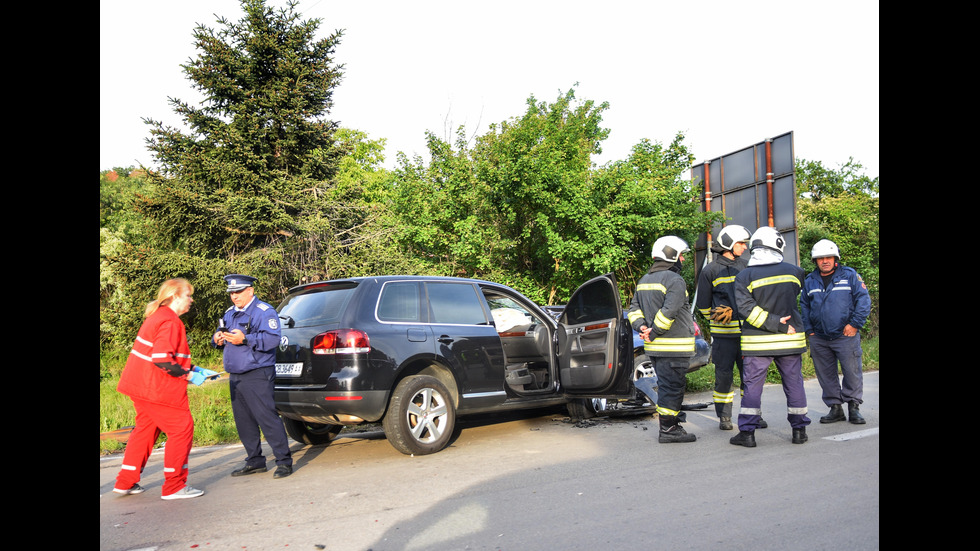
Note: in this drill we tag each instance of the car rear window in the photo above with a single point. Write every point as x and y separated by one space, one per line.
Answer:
316 305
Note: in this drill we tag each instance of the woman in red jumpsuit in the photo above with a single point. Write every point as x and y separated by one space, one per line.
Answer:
155 378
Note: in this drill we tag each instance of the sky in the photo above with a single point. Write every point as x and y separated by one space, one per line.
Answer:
726 74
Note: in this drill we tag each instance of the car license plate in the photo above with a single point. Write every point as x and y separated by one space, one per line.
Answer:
294 369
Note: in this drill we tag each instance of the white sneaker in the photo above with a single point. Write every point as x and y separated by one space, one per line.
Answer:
185 493
135 489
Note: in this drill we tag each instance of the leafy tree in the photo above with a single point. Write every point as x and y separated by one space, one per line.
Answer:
816 182
527 206
649 197
117 191
841 205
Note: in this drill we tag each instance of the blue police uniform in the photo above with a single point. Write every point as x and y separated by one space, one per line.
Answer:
252 370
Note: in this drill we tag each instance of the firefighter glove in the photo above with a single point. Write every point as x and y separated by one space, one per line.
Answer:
721 314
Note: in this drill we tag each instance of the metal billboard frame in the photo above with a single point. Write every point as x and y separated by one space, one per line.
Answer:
754 187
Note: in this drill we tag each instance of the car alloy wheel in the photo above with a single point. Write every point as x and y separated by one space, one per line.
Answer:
420 417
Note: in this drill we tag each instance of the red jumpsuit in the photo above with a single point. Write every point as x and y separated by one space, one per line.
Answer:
160 399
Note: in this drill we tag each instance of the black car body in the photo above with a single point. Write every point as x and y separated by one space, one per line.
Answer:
642 369
413 352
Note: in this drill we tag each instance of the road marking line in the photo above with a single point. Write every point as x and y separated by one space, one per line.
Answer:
853 435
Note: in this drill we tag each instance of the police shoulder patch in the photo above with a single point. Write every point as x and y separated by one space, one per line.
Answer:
273 323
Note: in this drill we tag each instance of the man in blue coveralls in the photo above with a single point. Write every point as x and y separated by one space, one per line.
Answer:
835 304
249 335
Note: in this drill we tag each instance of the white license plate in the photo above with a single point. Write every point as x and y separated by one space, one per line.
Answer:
289 370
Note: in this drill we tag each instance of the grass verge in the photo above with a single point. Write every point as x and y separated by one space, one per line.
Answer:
703 380
211 404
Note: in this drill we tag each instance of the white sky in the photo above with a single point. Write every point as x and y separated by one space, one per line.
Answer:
727 74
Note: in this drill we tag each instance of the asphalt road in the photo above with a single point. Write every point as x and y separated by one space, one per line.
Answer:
531 482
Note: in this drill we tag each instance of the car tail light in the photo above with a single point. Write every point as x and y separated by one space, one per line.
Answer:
342 341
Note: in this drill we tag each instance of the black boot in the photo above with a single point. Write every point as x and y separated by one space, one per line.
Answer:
836 414
725 423
671 431
853 415
762 424
799 436
744 438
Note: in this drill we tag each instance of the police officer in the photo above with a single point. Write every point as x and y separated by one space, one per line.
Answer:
249 334
716 302
835 305
661 313
766 293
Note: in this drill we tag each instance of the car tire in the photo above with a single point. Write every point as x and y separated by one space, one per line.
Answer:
585 408
421 416
314 434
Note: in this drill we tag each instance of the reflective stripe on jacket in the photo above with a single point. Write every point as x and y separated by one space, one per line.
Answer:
161 339
767 293
660 303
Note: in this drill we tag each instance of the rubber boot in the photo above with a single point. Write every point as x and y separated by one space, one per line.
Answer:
853 415
725 423
671 431
836 414
799 436
744 438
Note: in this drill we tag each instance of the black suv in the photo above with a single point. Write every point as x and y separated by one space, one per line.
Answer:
414 352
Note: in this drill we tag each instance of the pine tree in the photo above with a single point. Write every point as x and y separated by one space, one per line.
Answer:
247 184
259 153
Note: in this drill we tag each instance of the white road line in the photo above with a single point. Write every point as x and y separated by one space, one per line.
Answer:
853 435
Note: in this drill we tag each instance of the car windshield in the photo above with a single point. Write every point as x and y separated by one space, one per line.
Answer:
316 305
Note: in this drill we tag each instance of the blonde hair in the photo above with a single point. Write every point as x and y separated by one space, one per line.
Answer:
169 290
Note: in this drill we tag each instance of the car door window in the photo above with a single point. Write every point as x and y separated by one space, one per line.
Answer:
455 303
510 316
594 301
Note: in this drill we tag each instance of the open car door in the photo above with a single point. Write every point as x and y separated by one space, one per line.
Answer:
594 342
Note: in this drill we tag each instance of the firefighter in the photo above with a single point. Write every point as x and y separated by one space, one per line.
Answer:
661 313
766 293
716 302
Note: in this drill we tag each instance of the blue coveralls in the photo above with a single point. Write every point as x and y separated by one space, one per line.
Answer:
844 300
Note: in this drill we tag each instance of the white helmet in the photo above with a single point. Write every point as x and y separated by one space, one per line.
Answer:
767 236
732 234
825 247
669 248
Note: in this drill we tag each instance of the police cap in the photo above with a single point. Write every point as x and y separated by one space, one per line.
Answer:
237 282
